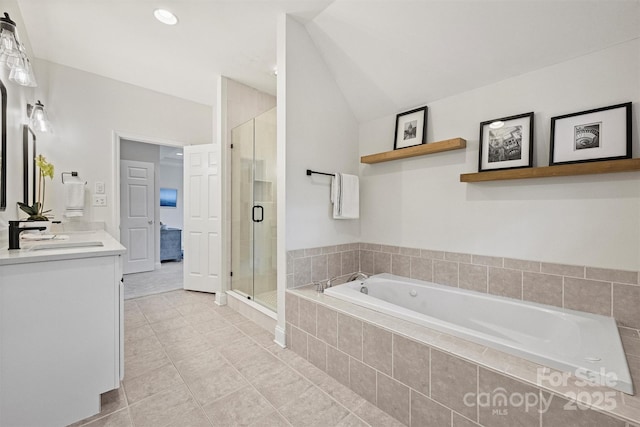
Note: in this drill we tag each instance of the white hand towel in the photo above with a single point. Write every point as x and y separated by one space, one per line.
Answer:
349 196
345 196
335 194
74 198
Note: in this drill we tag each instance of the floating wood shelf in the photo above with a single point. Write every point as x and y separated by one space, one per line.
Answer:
609 166
418 150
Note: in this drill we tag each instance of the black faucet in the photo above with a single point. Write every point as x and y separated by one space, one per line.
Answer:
15 230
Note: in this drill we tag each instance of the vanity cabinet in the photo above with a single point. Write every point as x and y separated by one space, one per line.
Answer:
61 342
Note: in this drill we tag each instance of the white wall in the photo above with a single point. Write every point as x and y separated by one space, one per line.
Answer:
587 220
321 134
171 177
86 109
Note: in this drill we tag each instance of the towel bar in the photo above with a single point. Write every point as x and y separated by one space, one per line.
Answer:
69 173
309 172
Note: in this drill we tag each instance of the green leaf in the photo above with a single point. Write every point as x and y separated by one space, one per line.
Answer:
30 210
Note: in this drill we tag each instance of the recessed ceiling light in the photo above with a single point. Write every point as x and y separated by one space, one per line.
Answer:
165 16
178 154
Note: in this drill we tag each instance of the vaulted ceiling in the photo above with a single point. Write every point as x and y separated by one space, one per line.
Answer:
385 55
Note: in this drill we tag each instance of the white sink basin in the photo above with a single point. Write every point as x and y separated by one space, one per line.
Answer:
64 245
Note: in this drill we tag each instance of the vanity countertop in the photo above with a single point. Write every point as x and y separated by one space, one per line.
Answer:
37 251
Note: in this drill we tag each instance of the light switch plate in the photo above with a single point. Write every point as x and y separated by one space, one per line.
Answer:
98 187
99 200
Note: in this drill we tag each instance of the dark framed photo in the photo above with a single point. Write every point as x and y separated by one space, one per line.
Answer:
506 143
411 128
591 136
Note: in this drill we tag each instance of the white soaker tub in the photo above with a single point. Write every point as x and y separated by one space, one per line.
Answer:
585 344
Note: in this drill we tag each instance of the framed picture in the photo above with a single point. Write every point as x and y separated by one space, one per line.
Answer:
411 128
590 136
506 143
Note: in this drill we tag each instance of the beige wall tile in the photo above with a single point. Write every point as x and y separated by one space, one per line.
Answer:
411 363
524 265
375 416
317 352
291 308
312 252
334 265
457 257
426 253
473 277
370 247
542 288
307 316
301 271
626 305
319 268
329 249
366 261
289 263
327 328
362 380
557 415
445 273
401 265
587 295
393 398
491 261
338 365
505 282
512 415
427 412
562 269
344 247
390 249
298 253
290 282
350 336
451 379
381 262
299 342
608 275
350 262
422 269
377 348
410 251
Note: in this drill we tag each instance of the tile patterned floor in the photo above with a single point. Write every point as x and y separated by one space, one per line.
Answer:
189 362
167 278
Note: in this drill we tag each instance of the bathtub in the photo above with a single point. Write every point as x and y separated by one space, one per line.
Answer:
585 344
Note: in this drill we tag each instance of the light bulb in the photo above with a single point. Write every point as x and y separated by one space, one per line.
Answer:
165 16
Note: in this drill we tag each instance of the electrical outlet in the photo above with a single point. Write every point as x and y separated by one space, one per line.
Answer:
98 188
99 200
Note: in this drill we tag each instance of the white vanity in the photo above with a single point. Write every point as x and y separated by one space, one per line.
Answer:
61 328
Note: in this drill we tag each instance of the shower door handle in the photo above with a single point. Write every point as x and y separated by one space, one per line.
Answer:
253 214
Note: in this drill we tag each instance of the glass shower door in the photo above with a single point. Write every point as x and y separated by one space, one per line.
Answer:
253 209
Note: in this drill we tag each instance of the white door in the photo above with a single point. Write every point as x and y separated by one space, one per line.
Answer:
137 207
202 200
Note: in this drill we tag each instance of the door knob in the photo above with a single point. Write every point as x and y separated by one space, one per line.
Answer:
150 221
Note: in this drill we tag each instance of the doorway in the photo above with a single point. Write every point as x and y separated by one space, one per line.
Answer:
151 216
253 210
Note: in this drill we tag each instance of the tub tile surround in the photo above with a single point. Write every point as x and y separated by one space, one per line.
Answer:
608 292
421 376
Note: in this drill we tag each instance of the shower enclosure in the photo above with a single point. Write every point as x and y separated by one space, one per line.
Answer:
253 209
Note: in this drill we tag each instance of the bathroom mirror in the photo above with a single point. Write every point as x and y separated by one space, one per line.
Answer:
3 149
28 165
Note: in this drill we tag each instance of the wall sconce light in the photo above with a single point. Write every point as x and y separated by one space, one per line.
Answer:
38 119
14 55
